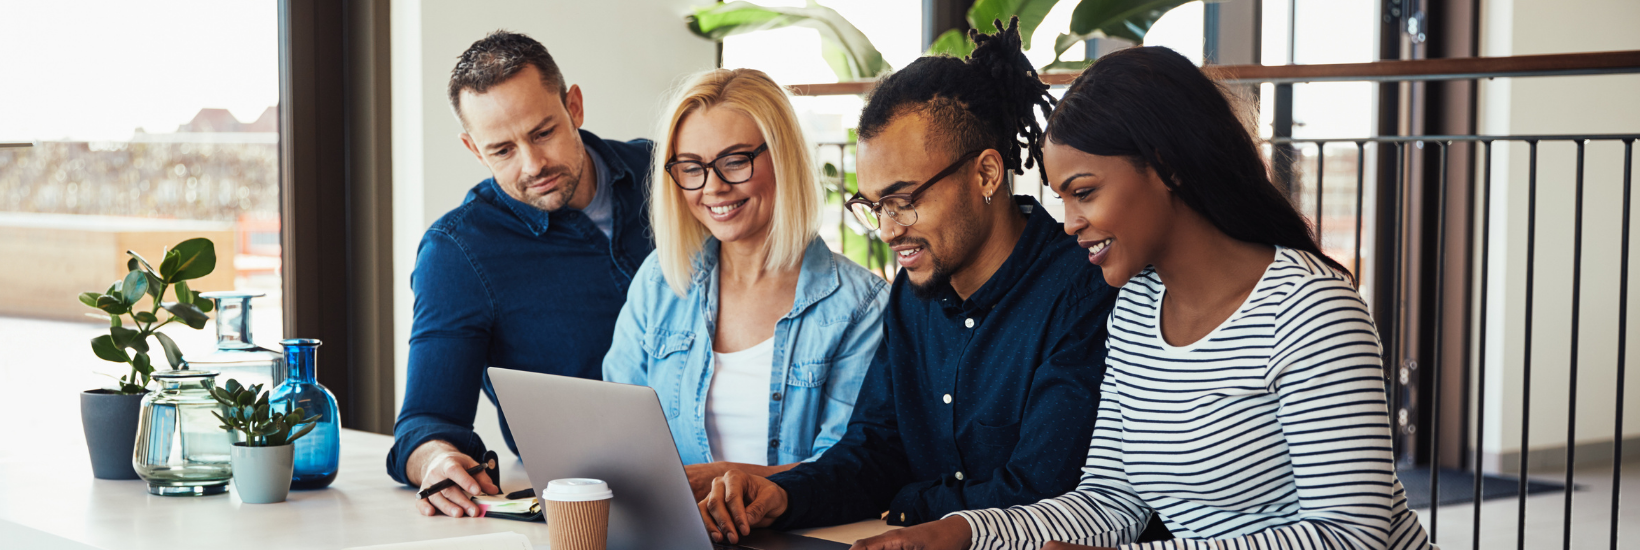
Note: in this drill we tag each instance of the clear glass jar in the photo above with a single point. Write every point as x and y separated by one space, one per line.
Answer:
181 448
236 356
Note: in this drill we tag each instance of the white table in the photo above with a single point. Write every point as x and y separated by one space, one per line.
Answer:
59 504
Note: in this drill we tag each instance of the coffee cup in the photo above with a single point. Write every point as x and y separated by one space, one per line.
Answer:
577 513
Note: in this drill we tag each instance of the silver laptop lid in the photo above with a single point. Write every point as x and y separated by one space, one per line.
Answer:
572 427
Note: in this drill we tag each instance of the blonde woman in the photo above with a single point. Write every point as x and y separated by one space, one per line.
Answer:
754 334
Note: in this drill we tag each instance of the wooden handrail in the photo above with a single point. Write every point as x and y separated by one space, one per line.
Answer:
1462 68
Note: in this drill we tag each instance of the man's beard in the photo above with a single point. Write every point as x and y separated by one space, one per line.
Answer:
558 198
967 237
937 281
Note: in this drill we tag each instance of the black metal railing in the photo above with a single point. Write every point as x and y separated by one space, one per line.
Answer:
1396 340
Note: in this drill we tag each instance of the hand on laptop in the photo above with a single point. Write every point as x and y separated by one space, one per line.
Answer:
702 475
437 461
738 502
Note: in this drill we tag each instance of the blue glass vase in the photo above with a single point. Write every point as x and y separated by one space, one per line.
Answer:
319 453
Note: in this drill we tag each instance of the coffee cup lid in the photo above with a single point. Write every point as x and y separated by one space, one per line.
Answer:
577 489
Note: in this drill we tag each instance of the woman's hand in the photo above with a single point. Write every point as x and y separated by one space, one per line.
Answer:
1069 546
947 534
701 476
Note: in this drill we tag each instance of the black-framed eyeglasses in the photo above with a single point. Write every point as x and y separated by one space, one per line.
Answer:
901 207
732 168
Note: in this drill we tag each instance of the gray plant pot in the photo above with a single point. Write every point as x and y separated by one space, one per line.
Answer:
261 475
110 424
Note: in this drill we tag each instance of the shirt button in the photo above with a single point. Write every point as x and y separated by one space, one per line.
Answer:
774 443
776 396
969 322
948 398
959 476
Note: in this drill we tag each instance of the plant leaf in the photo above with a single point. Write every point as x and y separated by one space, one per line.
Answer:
132 265
1125 19
204 304
145 317
168 266
142 364
985 13
188 313
134 286
300 432
953 42
89 298
183 295
140 259
112 304
123 336
107 350
173 354
859 59
195 258
156 286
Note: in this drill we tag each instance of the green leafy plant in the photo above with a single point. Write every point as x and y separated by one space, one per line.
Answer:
188 260
1125 19
248 413
847 50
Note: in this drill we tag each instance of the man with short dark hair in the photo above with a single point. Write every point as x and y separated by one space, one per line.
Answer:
986 386
529 273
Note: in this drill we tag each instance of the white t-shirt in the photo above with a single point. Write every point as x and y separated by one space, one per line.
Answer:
737 404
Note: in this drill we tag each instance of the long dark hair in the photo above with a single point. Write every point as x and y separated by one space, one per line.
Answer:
1154 107
983 102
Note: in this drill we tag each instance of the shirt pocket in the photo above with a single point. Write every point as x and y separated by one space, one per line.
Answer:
669 360
809 374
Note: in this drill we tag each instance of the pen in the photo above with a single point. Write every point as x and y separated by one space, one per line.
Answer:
448 483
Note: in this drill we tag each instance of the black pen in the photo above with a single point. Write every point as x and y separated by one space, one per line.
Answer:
448 483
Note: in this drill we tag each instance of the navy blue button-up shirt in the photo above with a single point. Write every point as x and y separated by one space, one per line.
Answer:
980 403
500 283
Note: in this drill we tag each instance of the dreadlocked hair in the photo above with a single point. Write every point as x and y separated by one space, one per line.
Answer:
983 102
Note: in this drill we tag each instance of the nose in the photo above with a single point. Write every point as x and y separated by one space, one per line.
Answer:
888 230
1074 222
714 185
534 161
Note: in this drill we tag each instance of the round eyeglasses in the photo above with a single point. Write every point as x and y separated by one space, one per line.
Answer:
732 168
900 207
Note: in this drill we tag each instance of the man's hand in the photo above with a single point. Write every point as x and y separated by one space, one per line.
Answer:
436 461
701 476
738 502
946 534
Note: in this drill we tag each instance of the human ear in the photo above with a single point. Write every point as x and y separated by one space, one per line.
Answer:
572 103
991 172
467 140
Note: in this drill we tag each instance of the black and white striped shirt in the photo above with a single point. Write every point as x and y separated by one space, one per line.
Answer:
1270 432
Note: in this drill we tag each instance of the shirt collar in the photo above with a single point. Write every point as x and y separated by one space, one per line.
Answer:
611 170
1040 228
817 279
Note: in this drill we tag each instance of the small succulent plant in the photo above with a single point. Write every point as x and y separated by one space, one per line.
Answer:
249 414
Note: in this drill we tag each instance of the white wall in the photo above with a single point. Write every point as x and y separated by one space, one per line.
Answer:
624 54
1560 105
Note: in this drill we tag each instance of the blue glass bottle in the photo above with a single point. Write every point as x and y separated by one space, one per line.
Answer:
319 453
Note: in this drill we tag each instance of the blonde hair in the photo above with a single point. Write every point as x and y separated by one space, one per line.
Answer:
679 237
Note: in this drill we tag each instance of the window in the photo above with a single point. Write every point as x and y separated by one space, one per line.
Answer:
152 123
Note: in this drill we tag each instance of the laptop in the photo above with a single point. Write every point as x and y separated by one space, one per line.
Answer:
573 427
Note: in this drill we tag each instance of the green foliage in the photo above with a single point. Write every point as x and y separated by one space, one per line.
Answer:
1125 19
190 259
847 50
246 410
984 14
858 243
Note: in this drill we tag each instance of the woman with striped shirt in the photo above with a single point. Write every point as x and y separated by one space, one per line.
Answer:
1243 400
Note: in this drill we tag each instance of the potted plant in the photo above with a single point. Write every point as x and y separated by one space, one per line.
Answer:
263 462
109 416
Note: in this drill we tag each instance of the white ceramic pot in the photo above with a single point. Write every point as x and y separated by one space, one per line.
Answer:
261 475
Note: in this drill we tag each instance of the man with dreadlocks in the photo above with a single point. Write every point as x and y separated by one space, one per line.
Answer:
983 392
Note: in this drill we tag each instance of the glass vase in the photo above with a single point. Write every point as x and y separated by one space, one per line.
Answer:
236 356
319 453
181 447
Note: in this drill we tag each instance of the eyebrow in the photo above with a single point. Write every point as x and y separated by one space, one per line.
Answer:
545 122
1065 185
896 187
725 151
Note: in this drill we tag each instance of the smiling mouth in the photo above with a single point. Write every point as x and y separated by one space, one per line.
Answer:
726 208
1096 250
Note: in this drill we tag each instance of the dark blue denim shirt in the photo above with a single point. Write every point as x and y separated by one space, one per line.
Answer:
500 283
980 403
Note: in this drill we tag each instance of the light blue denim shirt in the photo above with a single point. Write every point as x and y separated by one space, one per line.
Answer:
822 348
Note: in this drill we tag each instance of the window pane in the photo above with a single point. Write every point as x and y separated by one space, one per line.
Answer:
152 123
